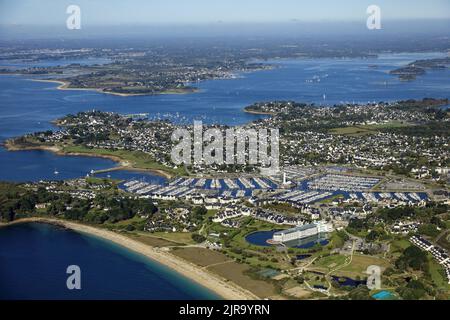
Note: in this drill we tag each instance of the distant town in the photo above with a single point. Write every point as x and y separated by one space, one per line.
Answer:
169 69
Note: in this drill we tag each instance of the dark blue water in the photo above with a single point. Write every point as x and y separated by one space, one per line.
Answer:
348 282
20 166
34 258
27 106
260 238
318 286
133 175
302 256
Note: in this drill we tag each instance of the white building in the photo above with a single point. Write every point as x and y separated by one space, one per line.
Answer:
302 232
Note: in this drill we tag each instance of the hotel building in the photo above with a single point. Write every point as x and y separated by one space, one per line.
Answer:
301 232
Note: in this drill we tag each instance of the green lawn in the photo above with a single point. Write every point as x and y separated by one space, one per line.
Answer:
137 159
179 237
359 265
399 245
436 275
330 262
333 198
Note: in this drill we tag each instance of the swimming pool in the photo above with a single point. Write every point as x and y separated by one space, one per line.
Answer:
384 295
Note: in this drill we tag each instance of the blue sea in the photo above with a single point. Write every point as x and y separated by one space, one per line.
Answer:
34 258
28 106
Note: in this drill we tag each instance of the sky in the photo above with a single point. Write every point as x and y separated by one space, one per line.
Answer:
135 12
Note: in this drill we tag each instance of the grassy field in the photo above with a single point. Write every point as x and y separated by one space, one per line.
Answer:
178 237
297 292
399 245
201 257
137 222
151 240
329 263
137 159
220 264
359 265
237 273
439 280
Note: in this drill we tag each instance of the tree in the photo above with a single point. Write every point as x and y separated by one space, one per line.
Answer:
200 211
413 258
414 290
429 230
198 238
360 293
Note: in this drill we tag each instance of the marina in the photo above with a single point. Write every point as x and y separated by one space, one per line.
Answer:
261 188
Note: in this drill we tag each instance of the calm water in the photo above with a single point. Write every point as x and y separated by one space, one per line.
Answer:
20 166
34 258
133 175
349 282
28 106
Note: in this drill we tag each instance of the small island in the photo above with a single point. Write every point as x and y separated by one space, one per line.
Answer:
419 67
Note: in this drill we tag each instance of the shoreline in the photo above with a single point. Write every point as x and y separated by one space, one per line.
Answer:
64 85
222 287
160 173
122 164
259 112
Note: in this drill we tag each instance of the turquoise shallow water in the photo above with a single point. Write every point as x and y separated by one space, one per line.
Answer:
383 295
34 258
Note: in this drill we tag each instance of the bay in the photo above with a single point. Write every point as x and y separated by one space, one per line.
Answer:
34 258
27 106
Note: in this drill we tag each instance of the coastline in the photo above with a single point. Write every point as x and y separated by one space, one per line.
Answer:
224 288
64 85
259 112
129 168
122 164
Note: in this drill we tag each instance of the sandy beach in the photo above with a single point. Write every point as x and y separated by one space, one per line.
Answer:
217 284
258 112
